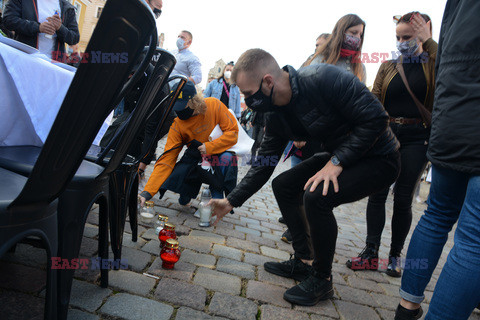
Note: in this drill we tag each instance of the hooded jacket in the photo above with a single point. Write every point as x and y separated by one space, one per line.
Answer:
21 16
455 134
330 106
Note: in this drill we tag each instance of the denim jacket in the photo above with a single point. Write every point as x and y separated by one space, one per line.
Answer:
214 89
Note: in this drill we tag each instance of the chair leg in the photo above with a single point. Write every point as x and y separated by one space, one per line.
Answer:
117 211
103 240
50 240
133 208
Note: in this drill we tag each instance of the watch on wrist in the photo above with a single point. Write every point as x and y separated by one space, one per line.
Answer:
335 160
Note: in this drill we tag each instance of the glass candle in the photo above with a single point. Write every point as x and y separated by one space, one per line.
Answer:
170 254
168 232
205 216
160 223
147 212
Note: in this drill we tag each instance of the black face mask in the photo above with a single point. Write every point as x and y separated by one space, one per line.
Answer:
185 113
157 13
260 102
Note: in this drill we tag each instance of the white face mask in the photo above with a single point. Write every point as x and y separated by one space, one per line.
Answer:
227 74
180 43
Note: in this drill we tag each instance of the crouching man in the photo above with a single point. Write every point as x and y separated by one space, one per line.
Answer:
320 103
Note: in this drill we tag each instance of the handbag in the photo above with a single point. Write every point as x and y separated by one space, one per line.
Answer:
426 115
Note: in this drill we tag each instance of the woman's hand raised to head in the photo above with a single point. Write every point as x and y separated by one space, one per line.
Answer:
421 28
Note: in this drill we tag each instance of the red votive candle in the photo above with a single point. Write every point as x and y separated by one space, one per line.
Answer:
169 254
168 232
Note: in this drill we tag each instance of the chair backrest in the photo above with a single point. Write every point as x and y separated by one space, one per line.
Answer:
117 41
165 106
156 81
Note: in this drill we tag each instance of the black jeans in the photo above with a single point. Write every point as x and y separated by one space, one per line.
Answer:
413 148
257 136
309 215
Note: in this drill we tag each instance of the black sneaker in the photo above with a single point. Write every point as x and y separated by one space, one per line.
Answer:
393 269
293 268
287 237
404 314
366 260
281 220
310 291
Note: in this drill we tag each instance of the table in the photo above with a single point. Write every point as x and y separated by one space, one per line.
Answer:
31 93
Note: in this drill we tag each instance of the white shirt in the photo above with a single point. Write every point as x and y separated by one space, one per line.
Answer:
187 65
46 8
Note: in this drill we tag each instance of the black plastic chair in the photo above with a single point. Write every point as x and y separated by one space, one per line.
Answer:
21 217
123 28
122 168
126 176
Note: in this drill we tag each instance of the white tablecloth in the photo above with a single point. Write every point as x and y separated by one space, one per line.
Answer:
31 93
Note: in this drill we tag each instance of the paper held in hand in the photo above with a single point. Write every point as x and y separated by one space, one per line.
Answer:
244 143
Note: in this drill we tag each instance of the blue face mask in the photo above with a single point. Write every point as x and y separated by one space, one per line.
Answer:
407 48
180 43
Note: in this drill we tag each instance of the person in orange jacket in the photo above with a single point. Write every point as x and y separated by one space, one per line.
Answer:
196 119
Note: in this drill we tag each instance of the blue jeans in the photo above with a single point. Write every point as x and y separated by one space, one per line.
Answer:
453 196
119 109
224 158
295 160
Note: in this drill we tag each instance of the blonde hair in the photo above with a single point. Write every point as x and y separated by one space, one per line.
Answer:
198 103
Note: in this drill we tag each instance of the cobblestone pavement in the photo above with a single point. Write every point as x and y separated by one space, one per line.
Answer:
220 274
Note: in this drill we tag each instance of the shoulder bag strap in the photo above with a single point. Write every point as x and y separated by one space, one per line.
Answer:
226 89
426 115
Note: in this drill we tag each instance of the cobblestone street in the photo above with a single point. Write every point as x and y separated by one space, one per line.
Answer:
220 274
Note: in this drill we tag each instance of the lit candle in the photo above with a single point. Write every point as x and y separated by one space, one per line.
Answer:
170 254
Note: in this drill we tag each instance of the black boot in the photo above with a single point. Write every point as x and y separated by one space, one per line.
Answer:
394 263
310 291
293 268
366 260
404 314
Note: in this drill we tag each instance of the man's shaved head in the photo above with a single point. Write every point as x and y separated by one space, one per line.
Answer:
256 63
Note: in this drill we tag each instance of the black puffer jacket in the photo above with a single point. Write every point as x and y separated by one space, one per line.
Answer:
455 134
329 105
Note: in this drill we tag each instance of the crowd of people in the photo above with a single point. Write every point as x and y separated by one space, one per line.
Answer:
345 141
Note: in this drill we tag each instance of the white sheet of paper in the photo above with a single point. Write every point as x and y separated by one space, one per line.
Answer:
244 143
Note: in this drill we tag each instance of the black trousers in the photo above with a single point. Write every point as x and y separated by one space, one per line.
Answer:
309 215
413 148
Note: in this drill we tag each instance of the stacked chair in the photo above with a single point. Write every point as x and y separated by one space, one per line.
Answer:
124 178
48 192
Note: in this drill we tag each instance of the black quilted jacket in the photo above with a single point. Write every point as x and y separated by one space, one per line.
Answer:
329 105
455 135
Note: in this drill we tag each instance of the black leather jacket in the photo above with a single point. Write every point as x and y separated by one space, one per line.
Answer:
329 105
21 16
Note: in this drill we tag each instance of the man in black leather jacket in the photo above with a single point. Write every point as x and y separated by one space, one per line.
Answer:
21 16
331 106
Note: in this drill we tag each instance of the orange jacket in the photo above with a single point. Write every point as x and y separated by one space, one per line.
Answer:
199 128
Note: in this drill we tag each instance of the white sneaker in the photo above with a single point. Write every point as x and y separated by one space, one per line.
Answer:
197 214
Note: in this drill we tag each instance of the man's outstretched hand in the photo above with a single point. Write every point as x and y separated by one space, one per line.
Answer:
220 208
